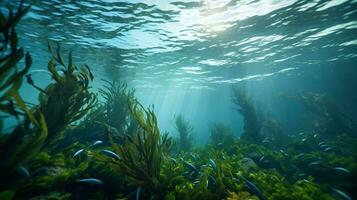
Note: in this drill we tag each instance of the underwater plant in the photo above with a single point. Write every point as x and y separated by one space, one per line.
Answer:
68 98
26 138
185 133
141 153
330 120
245 107
221 135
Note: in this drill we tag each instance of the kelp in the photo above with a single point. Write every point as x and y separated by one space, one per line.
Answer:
68 98
330 120
10 54
245 107
185 129
221 135
141 153
26 139
116 113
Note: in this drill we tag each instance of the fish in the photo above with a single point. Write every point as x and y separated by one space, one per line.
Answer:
23 171
341 169
98 142
314 163
191 167
90 181
284 153
254 189
321 143
137 196
324 145
328 149
213 164
173 160
261 159
110 154
303 140
342 194
78 153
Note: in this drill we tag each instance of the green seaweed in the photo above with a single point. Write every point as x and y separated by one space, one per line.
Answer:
68 98
221 135
252 124
142 152
185 133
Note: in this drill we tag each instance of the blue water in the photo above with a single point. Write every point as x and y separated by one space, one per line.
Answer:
184 56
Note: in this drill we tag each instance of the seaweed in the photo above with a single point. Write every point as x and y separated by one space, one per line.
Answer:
252 123
330 120
26 139
185 133
141 153
221 136
68 98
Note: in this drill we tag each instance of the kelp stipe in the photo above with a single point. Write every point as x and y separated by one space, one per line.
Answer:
68 99
185 129
245 107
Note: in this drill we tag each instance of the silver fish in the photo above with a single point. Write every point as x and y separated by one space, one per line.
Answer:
342 194
78 153
90 181
213 164
110 154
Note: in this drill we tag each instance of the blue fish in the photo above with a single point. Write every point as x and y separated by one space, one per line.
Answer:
90 181
341 169
314 163
254 189
110 154
78 153
342 194
98 142
191 167
23 171
213 164
328 149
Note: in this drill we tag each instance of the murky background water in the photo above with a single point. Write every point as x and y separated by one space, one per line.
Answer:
183 56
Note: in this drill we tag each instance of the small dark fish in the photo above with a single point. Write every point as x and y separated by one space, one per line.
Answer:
23 171
90 181
78 153
321 143
261 159
254 189
328 149
173 160
300 155
219 145
137 196
294 167
342 194
191 167
212 179
110 154
312 164
213 164
341 169
284 153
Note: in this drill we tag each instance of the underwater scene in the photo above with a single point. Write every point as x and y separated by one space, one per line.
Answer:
178 100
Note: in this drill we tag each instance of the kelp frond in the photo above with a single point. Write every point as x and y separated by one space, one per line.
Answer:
246 108
141 153
68 99
185 129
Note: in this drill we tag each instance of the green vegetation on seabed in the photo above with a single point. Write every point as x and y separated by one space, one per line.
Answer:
73 146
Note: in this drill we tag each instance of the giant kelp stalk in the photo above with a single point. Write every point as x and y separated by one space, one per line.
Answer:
185 129
141 153
246 108
330 120
68 98
23 142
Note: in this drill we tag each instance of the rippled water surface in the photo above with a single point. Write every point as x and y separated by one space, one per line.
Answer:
183 56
